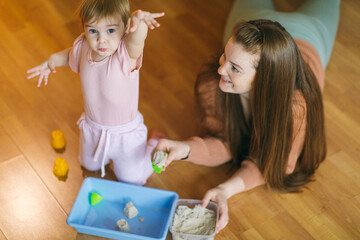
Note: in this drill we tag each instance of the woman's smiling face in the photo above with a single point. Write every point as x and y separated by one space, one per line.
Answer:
237 68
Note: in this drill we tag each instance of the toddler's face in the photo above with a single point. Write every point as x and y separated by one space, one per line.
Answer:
104 36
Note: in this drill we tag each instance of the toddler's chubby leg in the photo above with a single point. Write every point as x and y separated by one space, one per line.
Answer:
89 140
131 160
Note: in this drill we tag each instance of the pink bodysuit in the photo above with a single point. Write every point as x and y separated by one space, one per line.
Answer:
111 127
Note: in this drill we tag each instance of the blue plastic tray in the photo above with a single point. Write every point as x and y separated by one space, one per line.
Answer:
155 206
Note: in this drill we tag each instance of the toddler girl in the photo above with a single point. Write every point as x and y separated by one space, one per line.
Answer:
108 56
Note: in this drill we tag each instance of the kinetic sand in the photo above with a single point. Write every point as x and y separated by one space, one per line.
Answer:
196 221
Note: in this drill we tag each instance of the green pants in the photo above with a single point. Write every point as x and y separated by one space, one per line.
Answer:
316 21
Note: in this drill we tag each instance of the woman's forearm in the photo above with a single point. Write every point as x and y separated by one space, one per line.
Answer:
213 152
209 152
246 178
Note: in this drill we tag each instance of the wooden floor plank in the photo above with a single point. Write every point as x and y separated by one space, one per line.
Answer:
2 236
27 207
8 149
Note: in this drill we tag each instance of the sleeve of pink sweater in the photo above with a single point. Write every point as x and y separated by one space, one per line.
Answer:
213 152
208 151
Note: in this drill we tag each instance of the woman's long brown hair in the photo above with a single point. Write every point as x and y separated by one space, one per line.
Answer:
268 138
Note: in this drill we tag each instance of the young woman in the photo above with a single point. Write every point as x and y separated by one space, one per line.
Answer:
261 104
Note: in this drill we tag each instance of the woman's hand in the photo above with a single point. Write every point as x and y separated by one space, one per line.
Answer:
43 71
176 150
218 195
146 17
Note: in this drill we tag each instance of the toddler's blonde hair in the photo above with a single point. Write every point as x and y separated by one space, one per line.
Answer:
93 10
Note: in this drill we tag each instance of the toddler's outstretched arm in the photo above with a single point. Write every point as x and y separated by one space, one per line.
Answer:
139 23
59 59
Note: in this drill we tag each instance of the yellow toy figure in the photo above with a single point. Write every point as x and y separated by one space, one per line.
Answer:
58 141
61 169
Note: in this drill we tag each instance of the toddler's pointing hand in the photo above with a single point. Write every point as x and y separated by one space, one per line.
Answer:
148 18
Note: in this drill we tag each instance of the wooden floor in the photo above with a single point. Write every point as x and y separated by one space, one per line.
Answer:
34 204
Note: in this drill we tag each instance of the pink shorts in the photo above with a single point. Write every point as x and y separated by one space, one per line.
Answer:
126 145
